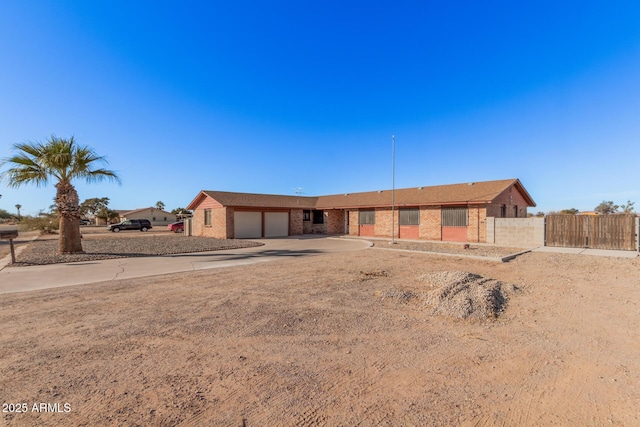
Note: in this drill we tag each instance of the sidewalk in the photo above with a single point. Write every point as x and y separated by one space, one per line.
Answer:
592 252
20 279
576 251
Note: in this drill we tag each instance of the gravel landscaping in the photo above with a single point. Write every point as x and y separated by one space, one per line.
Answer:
450 248
44 251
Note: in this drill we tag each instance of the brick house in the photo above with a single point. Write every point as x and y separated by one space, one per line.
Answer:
455 212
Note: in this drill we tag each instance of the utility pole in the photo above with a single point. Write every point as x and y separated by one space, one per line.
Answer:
393 189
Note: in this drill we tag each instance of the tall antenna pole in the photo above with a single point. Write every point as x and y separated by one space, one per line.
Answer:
393 189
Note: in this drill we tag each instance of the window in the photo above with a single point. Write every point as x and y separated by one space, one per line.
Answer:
455 217
153 218
165 218
409 216
367 217
306 215
318 217
207 217
503 211
515 212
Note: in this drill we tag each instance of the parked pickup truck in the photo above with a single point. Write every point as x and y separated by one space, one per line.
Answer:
131 224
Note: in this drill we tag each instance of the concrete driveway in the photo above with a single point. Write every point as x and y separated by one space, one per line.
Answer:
20 279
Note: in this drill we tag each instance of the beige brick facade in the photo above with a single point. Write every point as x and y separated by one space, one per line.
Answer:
430 220
510 199
295 222
476 230
335 221
353 223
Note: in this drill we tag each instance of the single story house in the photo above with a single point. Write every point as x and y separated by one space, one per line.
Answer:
454 212
158 217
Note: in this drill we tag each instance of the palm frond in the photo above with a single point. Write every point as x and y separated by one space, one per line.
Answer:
58 158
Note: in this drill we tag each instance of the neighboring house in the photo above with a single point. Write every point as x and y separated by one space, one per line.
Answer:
454 212
155 215
589 213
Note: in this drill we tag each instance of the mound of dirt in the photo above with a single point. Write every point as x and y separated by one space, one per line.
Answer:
466 295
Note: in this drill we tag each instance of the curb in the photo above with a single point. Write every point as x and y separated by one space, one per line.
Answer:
513 256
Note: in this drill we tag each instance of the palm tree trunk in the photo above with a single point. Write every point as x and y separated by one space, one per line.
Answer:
68 204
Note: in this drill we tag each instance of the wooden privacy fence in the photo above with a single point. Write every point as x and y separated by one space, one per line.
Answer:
596 232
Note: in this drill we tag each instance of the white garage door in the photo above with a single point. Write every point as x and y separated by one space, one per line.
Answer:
247 225
276 224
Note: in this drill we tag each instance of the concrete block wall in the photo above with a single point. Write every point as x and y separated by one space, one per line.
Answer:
515 232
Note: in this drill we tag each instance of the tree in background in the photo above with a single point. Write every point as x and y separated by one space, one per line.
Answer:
92 206
606 208
177 211
63 161
159 205
572 211
18 206
107 214
628 208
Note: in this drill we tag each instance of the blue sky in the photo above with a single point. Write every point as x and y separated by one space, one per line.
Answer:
269 96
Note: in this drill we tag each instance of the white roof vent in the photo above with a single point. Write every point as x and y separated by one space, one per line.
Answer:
471 183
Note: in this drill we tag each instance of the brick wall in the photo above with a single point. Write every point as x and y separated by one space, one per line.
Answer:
383 222
220 223
295 222
334 220
477 230
218 227
354 224
515 232
430 225
509 198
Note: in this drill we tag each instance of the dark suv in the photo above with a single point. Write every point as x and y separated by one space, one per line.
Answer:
131 224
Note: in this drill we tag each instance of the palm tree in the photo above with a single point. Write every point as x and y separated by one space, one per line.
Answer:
63 160
159 205
18 206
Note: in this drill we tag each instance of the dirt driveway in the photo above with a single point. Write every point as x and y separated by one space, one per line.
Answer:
329 340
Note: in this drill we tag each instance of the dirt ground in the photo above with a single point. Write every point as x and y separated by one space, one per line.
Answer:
322 341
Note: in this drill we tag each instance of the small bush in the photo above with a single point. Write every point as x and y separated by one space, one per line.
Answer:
45 224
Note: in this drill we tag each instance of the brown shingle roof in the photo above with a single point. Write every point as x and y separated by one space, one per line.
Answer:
261 200
478 192
474 192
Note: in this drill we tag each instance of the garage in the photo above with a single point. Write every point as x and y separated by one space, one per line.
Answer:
247 225
276 224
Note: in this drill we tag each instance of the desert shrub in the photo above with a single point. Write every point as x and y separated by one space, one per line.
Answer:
43 223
